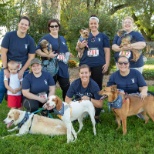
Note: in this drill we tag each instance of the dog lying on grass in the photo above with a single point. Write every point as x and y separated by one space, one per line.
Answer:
128 105
33 124
70 112
125 41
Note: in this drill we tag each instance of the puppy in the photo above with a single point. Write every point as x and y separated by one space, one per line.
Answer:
46 47
125 41
70 112
33 124
128 105
84 34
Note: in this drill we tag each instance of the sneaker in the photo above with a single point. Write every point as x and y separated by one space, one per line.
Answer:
140 115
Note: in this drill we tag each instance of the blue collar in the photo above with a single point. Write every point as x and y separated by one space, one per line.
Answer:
117 104
61 111
26 117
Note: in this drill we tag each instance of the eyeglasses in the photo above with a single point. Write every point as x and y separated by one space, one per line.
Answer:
121 63
52 26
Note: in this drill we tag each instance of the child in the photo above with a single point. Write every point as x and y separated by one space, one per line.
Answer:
13 86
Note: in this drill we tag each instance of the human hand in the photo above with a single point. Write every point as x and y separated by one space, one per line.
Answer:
52 55
13 91
143 94
20 74
105 68
85 98
82 44
42 100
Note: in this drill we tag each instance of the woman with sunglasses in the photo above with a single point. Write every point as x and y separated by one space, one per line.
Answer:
128 80
96 51
60 50
137 42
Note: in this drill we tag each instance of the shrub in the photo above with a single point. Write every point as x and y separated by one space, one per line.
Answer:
148 74
72 63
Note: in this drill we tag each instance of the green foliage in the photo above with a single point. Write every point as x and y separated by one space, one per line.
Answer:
148 74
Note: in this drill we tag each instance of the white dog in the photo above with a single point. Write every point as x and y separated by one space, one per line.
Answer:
70 112
34 124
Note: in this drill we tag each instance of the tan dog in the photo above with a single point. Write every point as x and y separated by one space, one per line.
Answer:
46 47
125 41
33 124
84 34
131 105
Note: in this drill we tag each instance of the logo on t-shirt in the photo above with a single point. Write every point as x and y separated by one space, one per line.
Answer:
133 81
99 39
63 43
26 46
45 81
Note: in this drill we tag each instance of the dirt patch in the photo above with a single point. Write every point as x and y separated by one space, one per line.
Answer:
74 74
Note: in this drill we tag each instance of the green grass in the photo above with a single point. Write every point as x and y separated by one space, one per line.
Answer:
139 138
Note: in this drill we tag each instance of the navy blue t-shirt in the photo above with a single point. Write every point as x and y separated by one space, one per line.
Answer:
38 85
94 55
136 37
76 90
63 68
18 48
129 83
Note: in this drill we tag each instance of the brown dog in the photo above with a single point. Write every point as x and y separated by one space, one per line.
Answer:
131 105
125 41
84 34
46 47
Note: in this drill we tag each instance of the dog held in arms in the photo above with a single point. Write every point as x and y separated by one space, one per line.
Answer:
84 34
126 40
128 105
70 112
34 124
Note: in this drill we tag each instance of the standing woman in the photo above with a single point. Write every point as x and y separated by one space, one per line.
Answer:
137 42
60 50
17 46
96 51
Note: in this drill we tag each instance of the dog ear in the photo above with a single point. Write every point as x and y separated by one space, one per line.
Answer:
58 103
113 87
81 31
16 115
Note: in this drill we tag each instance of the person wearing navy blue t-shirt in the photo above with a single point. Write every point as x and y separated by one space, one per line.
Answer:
60 50
96 52
37 86
128 80
85 88
137 42
18 46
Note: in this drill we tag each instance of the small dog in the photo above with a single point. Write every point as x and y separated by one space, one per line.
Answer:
126 40
33 124
46 47
70 112
128 105
84 34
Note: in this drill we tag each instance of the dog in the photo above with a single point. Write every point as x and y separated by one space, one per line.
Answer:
33 124
125 105
46 47
84 34
70 112
125 41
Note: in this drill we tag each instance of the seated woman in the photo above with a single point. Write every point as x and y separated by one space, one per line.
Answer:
37 86
85 88
128 80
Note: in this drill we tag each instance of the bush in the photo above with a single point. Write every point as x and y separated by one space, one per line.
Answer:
148 74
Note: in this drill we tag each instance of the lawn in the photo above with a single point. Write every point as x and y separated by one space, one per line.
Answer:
139 138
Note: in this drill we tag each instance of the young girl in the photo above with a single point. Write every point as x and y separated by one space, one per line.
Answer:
13 86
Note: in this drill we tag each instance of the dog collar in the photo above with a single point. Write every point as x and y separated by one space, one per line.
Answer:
61 111
116 103
26 117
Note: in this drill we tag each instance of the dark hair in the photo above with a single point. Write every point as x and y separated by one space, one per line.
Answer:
84 66
123 57
93 15
53 20
26 18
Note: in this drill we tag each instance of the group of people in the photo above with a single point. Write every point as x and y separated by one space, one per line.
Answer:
18 53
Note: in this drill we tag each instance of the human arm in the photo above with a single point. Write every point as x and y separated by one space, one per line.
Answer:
29 95
68 99
51 90
81 45
21 72
42 54
143 91
107 60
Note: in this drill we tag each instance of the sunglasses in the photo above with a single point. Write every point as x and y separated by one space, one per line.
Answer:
121 63
52 26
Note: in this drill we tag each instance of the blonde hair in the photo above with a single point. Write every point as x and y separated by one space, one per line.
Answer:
128 17
13 64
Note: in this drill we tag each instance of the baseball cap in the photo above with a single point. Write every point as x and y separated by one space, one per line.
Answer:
35 61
